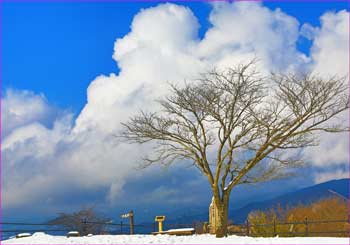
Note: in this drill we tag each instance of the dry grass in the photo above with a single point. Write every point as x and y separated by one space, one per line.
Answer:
302 216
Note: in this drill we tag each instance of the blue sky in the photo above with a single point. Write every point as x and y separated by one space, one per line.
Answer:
73 41
59 48
52 52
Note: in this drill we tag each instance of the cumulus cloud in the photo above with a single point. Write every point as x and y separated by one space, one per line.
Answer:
236 35
330 49
32 134
330 56
24 107
147 58
163 45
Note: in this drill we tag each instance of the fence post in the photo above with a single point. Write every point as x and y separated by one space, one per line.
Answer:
306 228
247 228
131 215
154 226
274 227
84 221
121 227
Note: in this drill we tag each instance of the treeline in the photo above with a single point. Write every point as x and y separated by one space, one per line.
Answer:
316 219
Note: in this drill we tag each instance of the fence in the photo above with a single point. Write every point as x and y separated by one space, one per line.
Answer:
297 228
9 229
289 229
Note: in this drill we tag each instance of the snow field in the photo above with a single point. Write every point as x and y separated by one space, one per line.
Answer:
42 238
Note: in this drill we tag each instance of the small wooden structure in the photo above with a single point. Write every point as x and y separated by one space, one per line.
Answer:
213 216
160 220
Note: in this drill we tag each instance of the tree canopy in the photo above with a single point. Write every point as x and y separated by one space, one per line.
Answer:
240 126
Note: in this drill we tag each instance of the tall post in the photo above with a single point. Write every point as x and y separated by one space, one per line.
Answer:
306 228
121 227
160 226
131 215
84 221
274 228
247 228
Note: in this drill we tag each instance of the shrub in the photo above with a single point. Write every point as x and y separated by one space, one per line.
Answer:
85 221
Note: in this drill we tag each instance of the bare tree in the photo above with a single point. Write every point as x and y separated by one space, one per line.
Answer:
85 221
237 125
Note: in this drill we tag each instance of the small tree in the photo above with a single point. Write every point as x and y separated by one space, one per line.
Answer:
85 221
235 125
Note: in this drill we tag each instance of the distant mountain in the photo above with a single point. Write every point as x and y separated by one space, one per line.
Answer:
302 196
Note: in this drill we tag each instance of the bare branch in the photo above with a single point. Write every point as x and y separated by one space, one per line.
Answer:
245 118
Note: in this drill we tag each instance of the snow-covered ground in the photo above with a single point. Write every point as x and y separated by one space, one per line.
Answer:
41 238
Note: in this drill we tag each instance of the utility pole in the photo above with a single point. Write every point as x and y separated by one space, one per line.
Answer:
131 222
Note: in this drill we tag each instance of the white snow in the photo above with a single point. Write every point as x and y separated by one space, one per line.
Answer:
41 238
20 235
226 187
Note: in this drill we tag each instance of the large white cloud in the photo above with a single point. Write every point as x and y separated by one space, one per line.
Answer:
163 45
330 49
157 49
29 146
330 56
244 30
23 107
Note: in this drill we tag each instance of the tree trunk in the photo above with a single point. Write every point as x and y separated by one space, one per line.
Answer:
222 219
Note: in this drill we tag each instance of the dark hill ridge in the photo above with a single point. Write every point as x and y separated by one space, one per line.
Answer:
302 196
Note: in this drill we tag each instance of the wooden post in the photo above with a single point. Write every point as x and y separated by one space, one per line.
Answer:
84 221
121 227
131 215
306 228
247 228
205 227
274 228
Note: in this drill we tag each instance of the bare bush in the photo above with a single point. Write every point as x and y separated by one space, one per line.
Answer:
85 221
